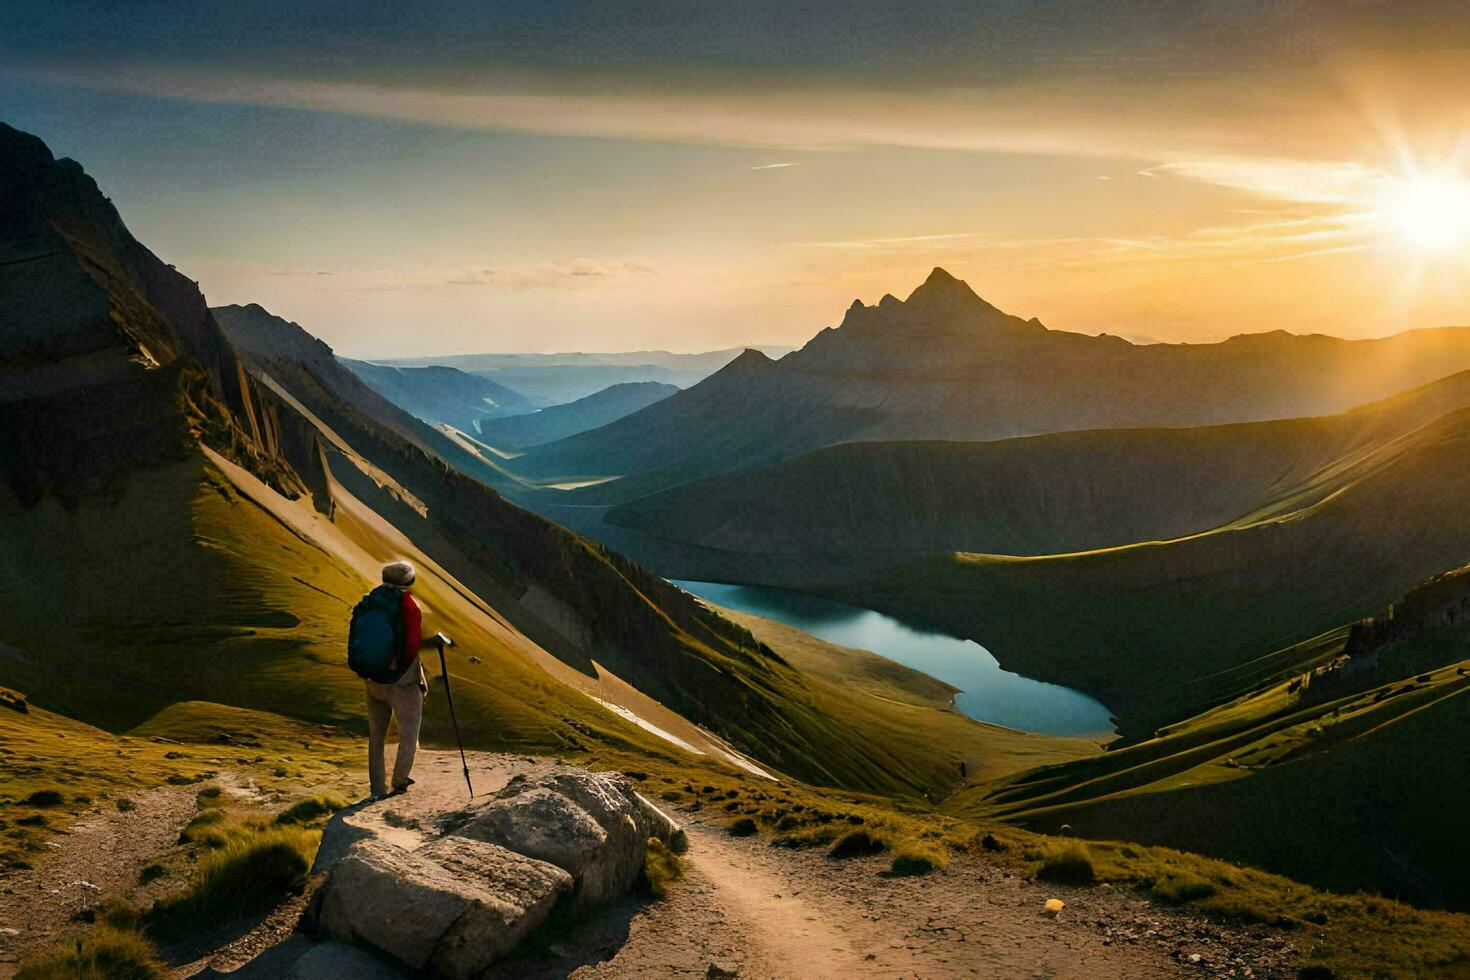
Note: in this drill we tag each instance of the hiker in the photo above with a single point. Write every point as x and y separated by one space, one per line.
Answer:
383 648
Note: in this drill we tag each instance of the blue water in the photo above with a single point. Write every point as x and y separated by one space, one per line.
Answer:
987 692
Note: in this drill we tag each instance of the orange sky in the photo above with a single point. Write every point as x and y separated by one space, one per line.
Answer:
543 182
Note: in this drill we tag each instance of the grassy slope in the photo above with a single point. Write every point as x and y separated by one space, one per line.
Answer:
1352 791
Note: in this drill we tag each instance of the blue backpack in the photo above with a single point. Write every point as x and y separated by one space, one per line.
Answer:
376 635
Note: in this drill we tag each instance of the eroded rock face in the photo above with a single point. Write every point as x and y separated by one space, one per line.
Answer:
452 888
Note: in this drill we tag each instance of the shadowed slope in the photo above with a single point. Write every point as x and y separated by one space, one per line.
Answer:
1074 491
1161 630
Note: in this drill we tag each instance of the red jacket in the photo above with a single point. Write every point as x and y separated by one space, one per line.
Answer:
413 628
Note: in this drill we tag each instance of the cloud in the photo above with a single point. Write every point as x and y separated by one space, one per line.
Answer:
539 275
773 166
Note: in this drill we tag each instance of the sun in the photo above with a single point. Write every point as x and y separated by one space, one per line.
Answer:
1429 212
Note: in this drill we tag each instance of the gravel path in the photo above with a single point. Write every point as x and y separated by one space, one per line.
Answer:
106 849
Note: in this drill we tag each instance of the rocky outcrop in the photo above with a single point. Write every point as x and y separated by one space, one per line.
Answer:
442 886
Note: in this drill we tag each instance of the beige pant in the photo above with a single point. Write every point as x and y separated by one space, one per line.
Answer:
405 703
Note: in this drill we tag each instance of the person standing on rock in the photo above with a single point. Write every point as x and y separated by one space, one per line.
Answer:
383 648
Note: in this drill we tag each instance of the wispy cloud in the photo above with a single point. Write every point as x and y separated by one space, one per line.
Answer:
773 166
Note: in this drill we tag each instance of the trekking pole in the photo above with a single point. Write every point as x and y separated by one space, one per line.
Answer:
444 641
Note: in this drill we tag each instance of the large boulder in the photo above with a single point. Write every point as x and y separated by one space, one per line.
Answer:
456 904
451 886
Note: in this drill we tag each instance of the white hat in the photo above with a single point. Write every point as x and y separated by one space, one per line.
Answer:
398 573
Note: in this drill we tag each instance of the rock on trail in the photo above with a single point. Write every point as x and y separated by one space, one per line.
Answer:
438 881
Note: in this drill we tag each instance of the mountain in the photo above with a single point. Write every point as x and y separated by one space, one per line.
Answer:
190 523
561 378
946 365
560 421
1038 495
444 394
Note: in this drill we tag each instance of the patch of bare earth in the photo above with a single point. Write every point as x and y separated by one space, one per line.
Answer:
97 858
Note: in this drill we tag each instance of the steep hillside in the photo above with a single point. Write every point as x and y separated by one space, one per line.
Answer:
944 364
1065 492
111 359
277 347
560 421
180 530
1343 774
443 394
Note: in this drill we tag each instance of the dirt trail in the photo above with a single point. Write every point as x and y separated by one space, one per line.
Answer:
105 849
762 912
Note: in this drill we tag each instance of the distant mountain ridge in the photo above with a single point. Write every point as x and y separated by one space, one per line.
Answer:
560 421
945 364
561 378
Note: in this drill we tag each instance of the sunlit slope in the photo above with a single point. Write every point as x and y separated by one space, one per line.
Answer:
1346 778
1065 492
1161 630
185 589
946 365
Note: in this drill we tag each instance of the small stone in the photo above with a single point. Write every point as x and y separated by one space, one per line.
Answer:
1054 906
722 970
1195 957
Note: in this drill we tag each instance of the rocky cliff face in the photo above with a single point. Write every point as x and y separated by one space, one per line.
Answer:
109 358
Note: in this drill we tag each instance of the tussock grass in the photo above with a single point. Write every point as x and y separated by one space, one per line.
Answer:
44 797
743 827
312 809
918 858
1068 863
856 843
661 868
206 830
102 953
257 867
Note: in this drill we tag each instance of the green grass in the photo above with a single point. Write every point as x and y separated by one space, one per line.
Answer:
1067 863
312 809
918 858
856 843
254 869
102 953
661 868
742 827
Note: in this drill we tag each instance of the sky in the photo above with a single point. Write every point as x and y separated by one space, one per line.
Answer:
461 177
